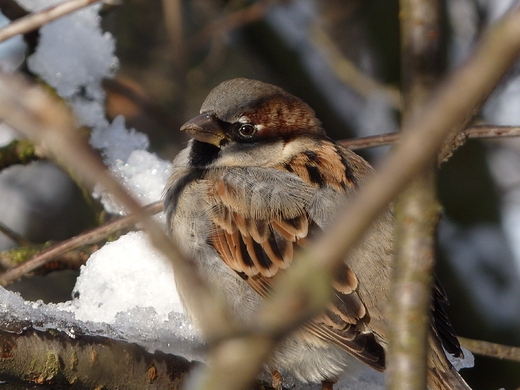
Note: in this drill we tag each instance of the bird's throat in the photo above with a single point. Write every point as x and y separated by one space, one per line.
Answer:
203 154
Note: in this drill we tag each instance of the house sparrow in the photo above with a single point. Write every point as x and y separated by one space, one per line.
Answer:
258 180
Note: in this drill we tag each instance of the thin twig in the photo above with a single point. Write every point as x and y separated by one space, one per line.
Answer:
473 132
173 18
492 131
485 348
38 19
485 132
89 237
73 259
17 238
20 151
371 141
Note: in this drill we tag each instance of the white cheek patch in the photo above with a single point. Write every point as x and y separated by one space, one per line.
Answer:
258 156
291 149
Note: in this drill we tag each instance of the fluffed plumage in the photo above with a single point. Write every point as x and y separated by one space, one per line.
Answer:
257 182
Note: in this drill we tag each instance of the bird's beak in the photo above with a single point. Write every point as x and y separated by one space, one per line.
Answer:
205 128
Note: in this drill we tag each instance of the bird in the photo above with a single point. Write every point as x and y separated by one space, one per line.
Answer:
258 180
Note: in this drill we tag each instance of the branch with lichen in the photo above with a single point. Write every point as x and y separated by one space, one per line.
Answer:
21 151
51 357
73 259
29 258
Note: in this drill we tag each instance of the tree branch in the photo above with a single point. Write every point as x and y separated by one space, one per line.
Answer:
416 209
53 358
38 19
21 151
485 348
473 132
92 236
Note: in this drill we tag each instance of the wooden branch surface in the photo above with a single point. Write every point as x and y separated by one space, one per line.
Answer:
87 362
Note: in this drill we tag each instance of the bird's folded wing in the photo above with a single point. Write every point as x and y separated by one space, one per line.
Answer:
257 232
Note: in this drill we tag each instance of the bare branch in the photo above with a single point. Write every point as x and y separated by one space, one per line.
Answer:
92 236
173 19
21 151
38 19
491 131
485 348
73 259
416 209
51 357
371 141
17 238
473 132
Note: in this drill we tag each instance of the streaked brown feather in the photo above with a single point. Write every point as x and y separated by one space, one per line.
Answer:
349 308
256 223
364 346
345 281
258 249
329 164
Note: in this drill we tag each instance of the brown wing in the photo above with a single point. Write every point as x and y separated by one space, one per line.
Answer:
260 245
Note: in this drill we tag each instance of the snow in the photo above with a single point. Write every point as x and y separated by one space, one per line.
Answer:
119 278
11 51
468 361
116 142
37 5
75 63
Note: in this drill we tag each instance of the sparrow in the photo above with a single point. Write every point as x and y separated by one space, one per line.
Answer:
258 180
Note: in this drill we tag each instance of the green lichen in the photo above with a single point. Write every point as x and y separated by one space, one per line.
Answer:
51 367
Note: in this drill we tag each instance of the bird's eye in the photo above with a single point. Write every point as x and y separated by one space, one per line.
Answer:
247 130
